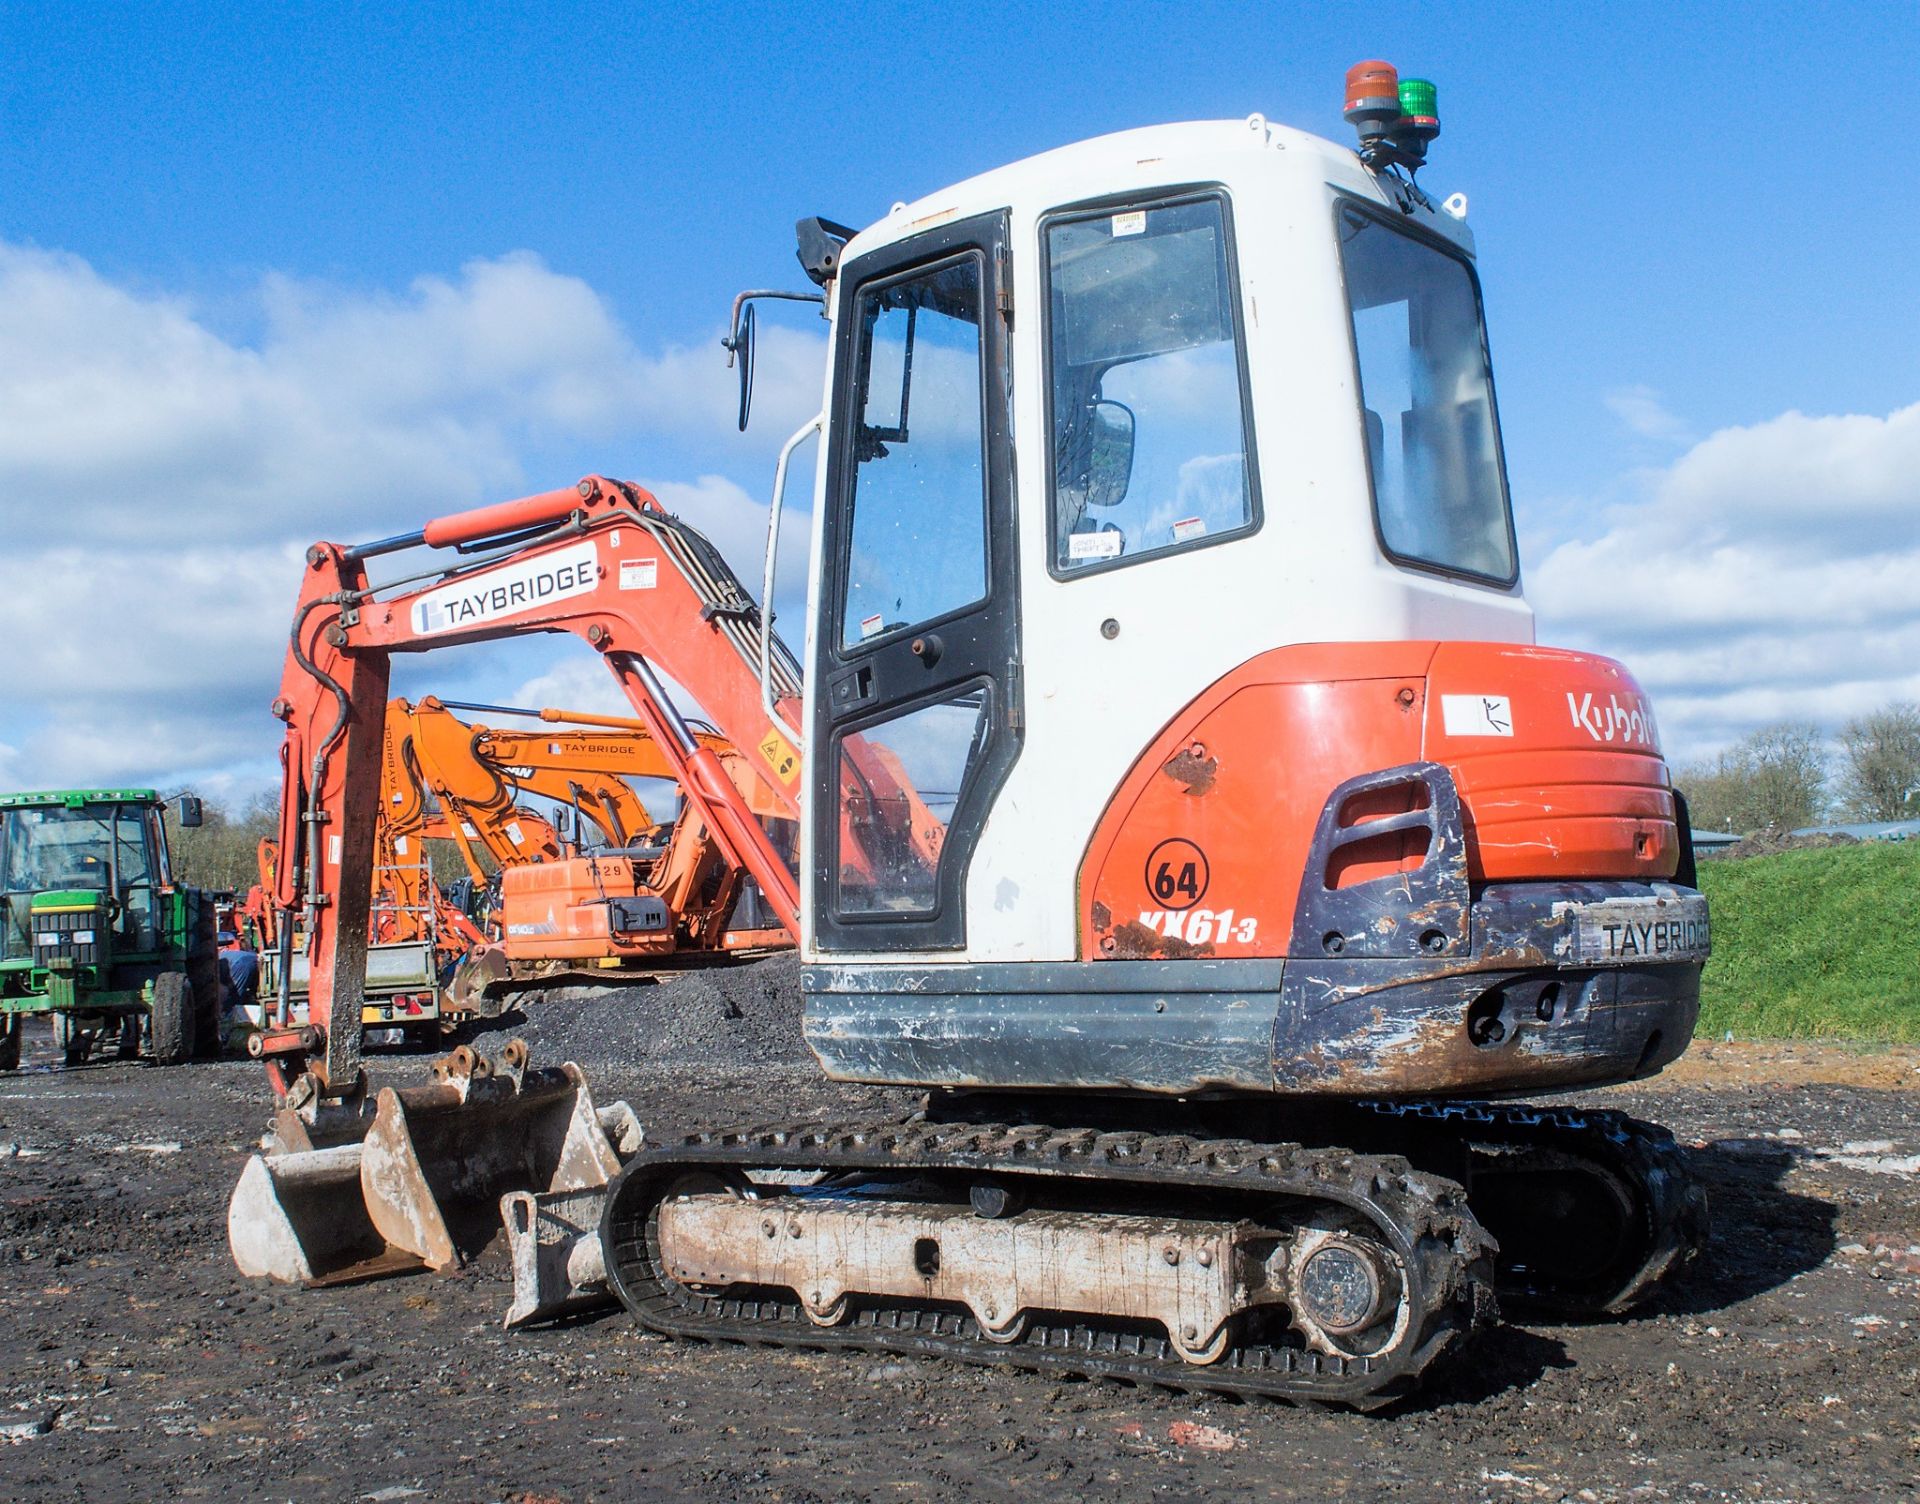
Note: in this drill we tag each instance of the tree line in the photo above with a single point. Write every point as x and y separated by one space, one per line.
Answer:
222 852
1783 776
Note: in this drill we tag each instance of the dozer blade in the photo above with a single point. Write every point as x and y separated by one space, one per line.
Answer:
558 1267
422 1188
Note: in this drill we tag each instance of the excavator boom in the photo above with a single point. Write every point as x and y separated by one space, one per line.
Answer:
602 561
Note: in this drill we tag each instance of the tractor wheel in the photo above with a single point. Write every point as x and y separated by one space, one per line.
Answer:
172 1019
203 973
10 1043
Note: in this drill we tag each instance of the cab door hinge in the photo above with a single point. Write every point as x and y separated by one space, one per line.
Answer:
1003 284
1016 706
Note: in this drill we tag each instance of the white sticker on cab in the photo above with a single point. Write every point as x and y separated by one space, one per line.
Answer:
1102 545
1476 715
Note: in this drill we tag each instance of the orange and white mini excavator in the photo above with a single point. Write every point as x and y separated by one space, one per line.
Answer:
1186 806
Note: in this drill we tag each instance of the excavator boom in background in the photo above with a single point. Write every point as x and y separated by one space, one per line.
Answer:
1184 804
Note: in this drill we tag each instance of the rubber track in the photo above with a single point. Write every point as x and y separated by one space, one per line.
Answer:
1672 1204
1423 1217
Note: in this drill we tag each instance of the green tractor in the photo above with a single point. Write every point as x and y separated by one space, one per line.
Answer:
95 931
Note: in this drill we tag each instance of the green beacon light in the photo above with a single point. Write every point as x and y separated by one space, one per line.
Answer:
1419 120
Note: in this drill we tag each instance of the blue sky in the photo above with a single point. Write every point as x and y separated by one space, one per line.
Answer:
1693 221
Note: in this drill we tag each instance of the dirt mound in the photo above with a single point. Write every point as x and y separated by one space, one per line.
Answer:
1773 842
720 1016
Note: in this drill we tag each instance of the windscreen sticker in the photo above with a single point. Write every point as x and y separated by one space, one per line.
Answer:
1132 223
1189 527
1100 545
870 626
1477 715
639 574
494 593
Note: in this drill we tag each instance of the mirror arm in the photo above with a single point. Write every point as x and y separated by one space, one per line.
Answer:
813 425
738 341
731 344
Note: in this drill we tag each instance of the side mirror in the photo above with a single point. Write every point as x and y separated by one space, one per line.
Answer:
738 341
740 351
191 811
1109 453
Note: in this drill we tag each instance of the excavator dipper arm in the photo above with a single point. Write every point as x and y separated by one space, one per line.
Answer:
601 561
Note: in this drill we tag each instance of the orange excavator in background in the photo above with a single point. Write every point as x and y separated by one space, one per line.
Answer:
648 894
615 895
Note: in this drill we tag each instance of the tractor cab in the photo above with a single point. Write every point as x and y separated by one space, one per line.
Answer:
90 915
100 856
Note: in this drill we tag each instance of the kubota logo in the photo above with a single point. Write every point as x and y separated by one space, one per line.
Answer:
1613 720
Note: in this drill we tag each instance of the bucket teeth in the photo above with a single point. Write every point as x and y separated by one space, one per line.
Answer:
422 1188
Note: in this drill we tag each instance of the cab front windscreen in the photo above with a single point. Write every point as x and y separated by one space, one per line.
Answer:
1426 391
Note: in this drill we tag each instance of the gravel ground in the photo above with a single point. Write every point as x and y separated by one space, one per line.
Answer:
735 1017
135 1363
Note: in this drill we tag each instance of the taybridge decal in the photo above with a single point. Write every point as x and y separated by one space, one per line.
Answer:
1613 719
570 571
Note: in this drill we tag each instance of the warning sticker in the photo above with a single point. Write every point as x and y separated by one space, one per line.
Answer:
780 755
1477 715
1132 223
1102 545
1189 527
639 574
870 625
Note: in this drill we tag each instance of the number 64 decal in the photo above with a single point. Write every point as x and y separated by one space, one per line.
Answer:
1177 873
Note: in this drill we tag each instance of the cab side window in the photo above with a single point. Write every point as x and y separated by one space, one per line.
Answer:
1149 423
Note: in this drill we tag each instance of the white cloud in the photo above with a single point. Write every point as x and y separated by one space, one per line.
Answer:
158 478
1643 411
1771 572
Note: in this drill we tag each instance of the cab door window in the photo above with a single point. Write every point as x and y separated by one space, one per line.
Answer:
917 543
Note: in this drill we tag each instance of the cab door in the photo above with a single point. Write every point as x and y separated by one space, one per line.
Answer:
918 645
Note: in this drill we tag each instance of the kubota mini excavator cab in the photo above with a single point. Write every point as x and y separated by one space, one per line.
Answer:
1186 805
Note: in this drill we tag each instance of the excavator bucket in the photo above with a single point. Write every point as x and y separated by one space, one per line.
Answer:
300 1218
422 1188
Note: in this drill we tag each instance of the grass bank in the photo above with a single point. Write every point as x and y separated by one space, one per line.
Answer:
1815 944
